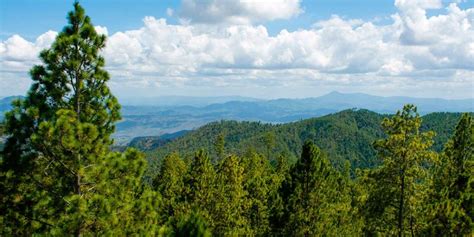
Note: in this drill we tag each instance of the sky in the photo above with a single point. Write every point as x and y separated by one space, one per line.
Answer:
257 48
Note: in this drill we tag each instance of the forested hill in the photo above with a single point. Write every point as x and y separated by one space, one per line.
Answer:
346 135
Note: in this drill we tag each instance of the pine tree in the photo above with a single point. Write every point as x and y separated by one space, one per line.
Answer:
58 175
170 184
397 186
314 205
279 177
220 145
270 141
451 200
258 185
231 199
348 203
192 225
200 187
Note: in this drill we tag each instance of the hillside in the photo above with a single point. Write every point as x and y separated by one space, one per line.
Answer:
346 135
152 142
166 115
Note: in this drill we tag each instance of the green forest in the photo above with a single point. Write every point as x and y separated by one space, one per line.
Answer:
345 136
352 173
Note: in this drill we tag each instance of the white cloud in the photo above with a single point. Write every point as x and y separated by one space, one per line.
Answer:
18 54
238 12
16 48
101 30
415 53
417 5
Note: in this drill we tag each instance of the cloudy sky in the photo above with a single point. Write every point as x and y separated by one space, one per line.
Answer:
258 48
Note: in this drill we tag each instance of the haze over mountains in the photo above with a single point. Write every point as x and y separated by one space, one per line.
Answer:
170 101
161 115
333 99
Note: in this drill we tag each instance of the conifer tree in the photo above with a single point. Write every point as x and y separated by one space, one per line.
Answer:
258 185
58 176
269 141
192 225
220 145
451 199
348 204
277 196
231 199
200 187
313 206
397 186
170 184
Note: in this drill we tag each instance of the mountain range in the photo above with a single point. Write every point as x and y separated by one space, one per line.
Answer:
170 114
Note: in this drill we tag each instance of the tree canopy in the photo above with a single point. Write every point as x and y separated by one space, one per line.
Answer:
58 175
347 174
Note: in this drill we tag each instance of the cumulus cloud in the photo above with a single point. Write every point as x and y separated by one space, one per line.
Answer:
101 30
415 53
238 12
18 54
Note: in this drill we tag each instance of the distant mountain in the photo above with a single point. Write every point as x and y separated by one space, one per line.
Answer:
156 120
337 100
170 114
334 101
153 142
173 101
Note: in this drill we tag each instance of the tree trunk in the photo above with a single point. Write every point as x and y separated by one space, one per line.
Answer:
400 210
78 156
77 99
78 192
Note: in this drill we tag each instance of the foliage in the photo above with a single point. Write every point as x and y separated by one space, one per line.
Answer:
171 184
230 198
220 146
397 186
201 186
185 224
346 135
451 201
258 182
318 201
58 175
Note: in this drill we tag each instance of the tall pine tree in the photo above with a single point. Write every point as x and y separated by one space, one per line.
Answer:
396 188
201 187
451 199
231 199
316 202
58 175
258 184
170 183
219 146
277 196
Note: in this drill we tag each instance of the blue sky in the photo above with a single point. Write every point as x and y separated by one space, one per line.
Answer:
33 17
420 48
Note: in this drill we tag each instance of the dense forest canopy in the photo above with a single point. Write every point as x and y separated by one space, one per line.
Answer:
345 136
353 173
